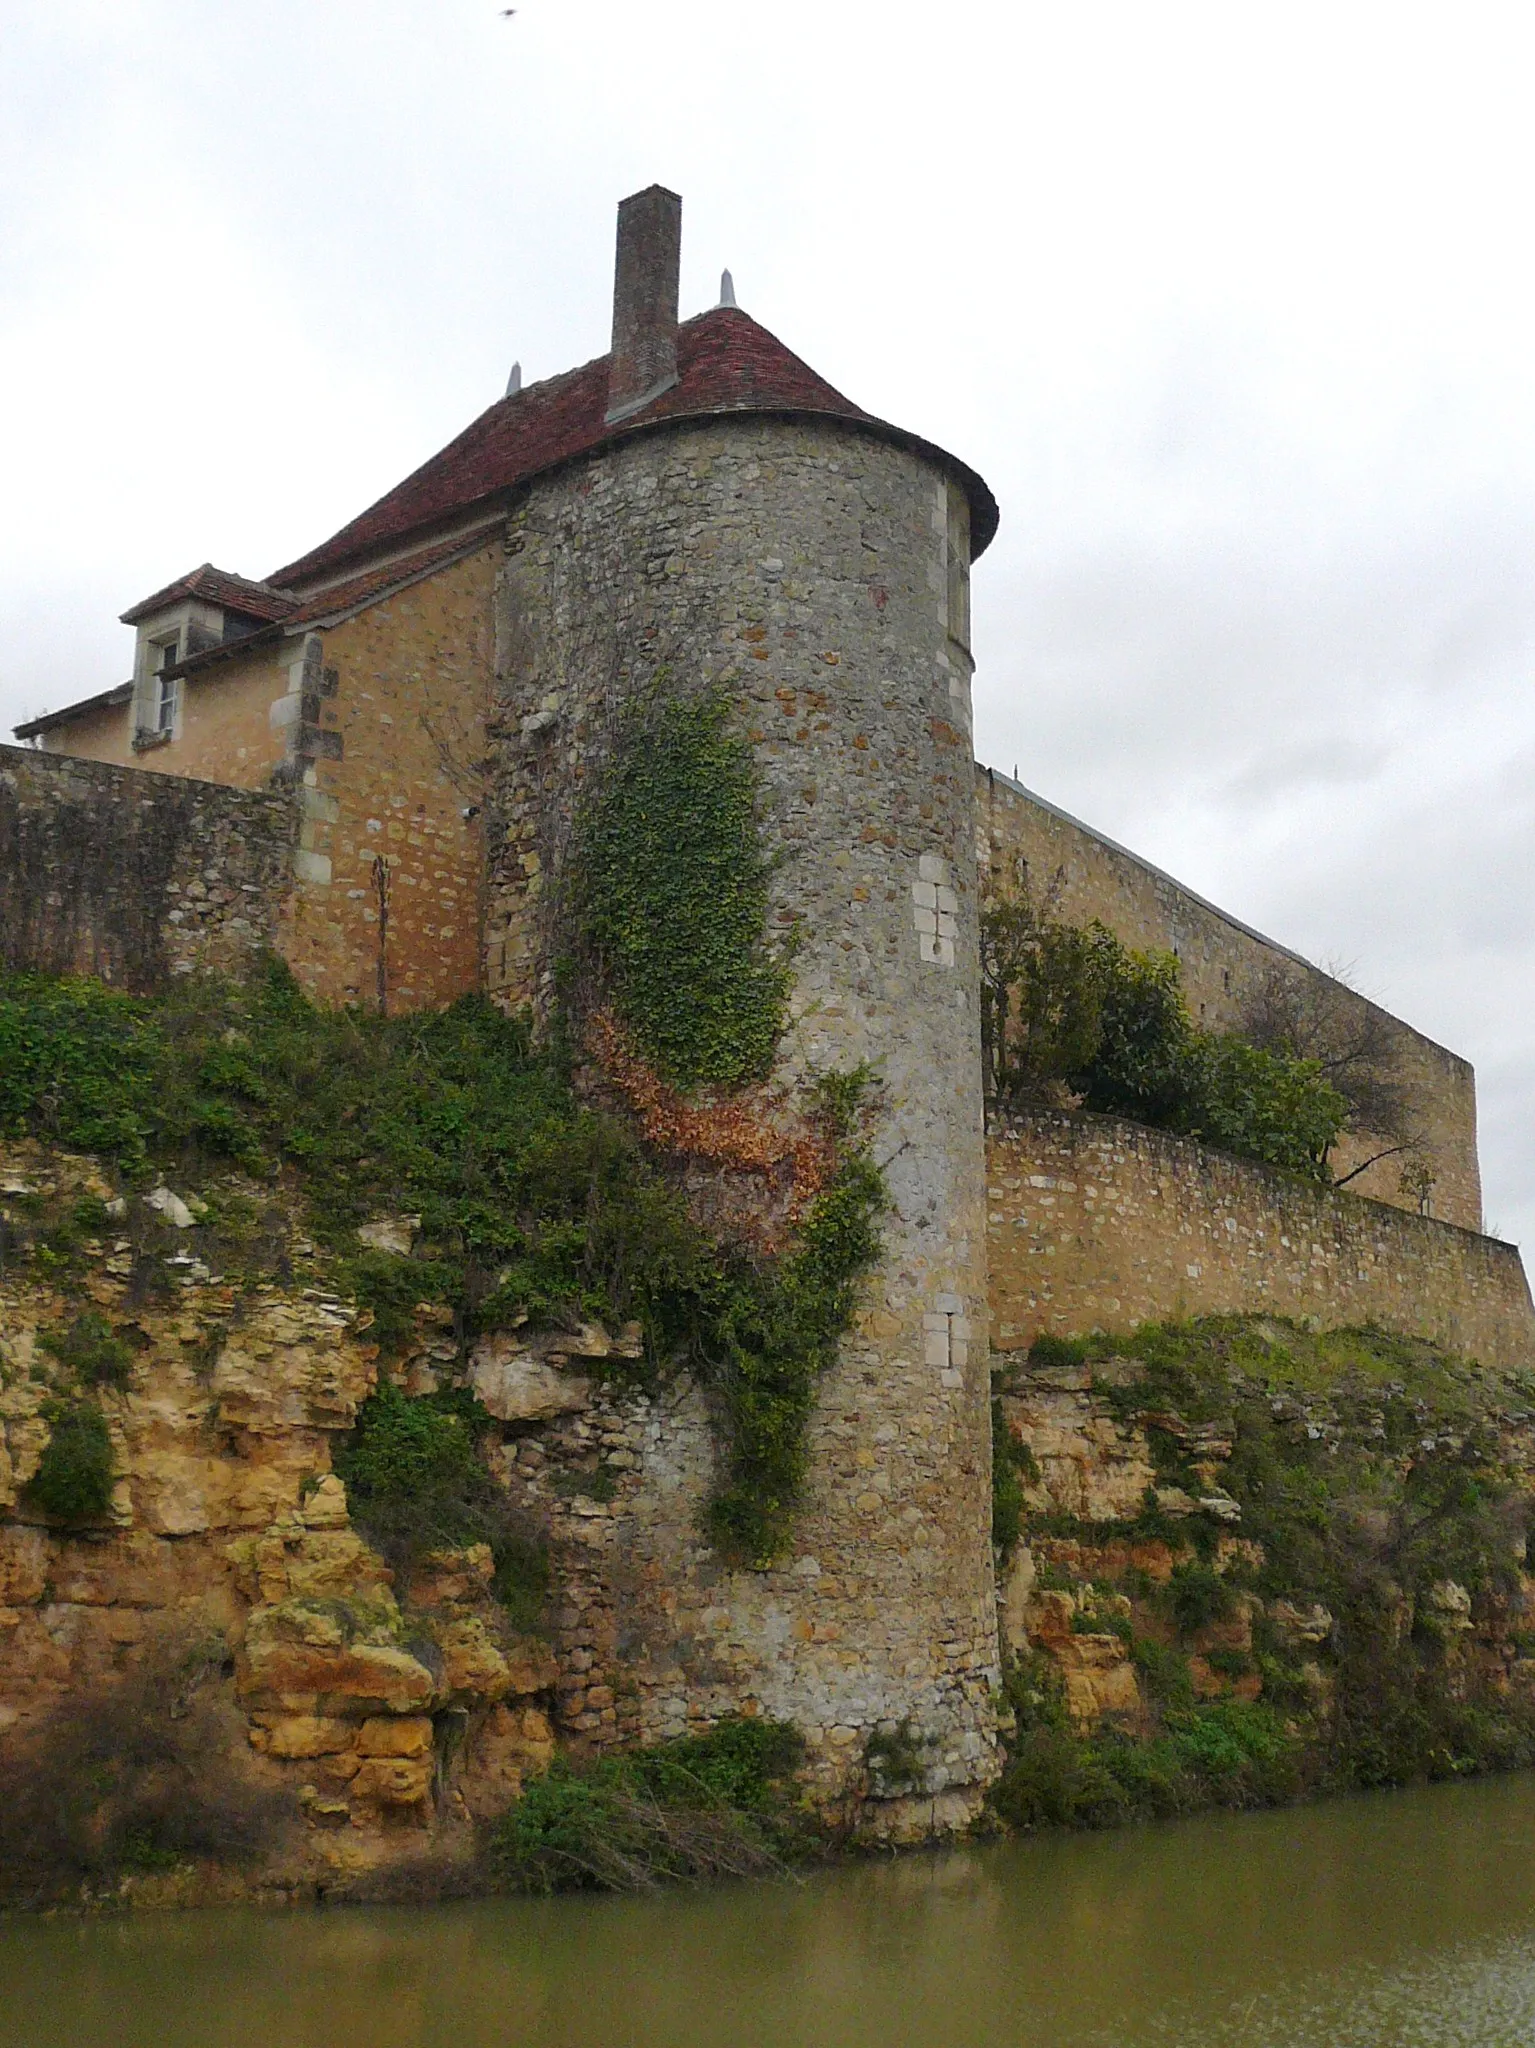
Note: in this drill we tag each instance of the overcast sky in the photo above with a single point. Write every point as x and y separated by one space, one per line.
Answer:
1231 305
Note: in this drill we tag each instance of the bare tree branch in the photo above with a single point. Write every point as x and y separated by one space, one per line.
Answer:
1374 1160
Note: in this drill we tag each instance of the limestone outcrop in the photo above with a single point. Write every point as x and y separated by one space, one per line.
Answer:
375 1707
1137 1583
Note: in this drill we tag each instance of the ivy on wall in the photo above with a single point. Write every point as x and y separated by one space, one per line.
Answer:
671 902
672 894
768 1332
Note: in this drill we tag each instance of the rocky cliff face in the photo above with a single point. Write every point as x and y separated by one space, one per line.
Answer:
379 1716
1237 1558
1330 1530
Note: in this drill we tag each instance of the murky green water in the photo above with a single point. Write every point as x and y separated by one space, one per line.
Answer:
1404 1920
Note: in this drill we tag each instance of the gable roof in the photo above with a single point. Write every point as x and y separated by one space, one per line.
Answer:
726 363
215 586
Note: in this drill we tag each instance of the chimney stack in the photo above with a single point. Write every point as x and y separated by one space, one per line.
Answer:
645 300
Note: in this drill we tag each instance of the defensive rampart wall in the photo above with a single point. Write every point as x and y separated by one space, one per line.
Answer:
838 642
1083 876
136 877
1095 1223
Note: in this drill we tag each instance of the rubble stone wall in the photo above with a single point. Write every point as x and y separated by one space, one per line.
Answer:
136 877
1096 1223
805 572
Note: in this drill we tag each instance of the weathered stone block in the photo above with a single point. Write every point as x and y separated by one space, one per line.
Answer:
403 1735
305 1735
516 1385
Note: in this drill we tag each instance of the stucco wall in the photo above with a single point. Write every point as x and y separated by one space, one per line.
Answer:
102 734
225 731
134 877
805 571
1223 962
1094 1223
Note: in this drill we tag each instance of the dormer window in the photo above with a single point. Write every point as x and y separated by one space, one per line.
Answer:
187 619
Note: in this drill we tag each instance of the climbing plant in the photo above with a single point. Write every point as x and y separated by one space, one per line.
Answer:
671 902
767 1334
1068 1010
671 894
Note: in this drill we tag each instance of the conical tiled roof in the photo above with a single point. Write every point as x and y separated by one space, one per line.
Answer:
726 363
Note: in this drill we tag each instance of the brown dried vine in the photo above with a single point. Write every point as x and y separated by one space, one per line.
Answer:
749 1131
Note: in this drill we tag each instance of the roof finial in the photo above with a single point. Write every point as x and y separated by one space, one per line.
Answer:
727 289
514 382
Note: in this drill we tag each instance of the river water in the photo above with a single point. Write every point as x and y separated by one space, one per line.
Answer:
1398 1920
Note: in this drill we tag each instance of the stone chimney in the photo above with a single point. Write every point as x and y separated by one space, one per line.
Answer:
645 300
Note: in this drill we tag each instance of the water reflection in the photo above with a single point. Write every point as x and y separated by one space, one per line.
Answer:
1403 1919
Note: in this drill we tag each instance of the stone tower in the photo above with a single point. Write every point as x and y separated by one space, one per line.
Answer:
738 522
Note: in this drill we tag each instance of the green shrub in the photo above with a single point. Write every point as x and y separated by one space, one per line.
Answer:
1053 1779
1196 1597
1240 1748
1140 1066
1262 1105
1033 1691
73 1480
91 1351
1041 998
1229 1754
1092 1620
744 1763
1057 1353
705 1806
1074 1007
416 1482
1163 1671
143 1772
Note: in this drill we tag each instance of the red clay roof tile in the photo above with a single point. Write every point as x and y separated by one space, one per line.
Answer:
216 586
726 363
